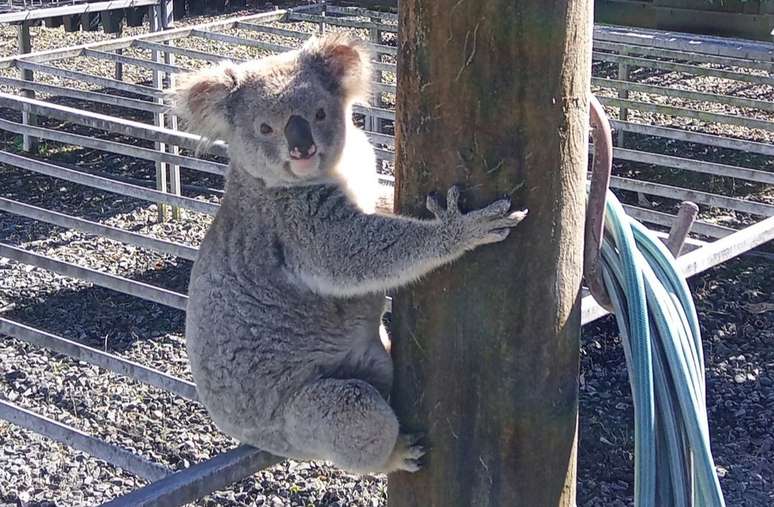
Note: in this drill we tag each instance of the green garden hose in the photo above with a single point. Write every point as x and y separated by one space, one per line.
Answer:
673 464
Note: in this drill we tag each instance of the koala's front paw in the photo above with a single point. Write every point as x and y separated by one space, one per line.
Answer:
480 227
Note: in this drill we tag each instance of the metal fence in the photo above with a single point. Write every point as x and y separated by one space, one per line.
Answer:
175 151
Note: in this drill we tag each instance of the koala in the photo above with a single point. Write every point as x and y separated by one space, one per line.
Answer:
287 292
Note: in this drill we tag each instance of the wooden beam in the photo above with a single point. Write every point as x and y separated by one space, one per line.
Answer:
486 350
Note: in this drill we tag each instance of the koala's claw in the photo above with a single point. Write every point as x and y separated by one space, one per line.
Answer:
452 203
494 223
408 452
433 206
496 209
490 224
453 199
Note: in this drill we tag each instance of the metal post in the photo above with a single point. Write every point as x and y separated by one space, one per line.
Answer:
119 74
372 123
29 143
623 75
682 226
323 13
157 24
168 20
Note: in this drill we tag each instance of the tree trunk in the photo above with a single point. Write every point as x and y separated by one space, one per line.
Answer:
494 96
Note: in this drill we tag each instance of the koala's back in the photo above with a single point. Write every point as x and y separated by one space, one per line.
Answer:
255 335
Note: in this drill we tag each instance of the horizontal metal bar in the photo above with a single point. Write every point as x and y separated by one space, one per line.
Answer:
69 10
130 60
381 49
694 137
115 147
90 355
188 485
695 43
189 53
295 34
379 138
104 82
74 93
239 41
384 67
106 231
384 88
701 259
81 441
384 155
376 112
699 166
336 21
682 67
686 194
666 220
683 112
160 36
727 248
131 287
107 184
283 32
362 12
683 55
763 105
111 124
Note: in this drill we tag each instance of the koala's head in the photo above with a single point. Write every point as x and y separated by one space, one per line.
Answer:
285 117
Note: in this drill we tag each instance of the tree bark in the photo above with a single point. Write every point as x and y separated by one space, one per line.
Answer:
494 96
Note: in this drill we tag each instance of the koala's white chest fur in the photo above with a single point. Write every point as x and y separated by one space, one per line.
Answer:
357 168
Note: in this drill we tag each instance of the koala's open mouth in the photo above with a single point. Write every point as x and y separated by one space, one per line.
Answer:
305 167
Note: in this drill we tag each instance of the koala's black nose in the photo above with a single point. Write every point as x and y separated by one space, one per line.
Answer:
299 136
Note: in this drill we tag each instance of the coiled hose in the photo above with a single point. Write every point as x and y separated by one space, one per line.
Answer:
657 320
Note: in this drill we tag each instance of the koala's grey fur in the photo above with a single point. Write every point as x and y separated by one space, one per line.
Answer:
288 289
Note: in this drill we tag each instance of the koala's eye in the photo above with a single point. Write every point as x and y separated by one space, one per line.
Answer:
320 116
265 129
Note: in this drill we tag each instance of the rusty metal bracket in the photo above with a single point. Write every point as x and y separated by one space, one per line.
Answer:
601 167
686 215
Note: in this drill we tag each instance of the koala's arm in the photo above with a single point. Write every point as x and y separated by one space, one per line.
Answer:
349 253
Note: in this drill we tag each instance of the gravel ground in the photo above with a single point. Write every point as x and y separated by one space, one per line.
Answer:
735 304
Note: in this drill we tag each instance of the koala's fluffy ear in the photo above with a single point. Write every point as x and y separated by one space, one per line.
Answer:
200 98
345 61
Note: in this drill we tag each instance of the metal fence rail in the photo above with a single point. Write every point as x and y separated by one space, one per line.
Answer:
628 48
79 440
90 355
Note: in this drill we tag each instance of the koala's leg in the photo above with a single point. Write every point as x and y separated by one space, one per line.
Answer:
348 423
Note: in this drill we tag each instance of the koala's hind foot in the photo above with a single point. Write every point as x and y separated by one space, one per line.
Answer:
407 454
348 423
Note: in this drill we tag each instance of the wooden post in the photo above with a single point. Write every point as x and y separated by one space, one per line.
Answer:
29 144
179 8
90 20
494 96
71 23
135 15
196 7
